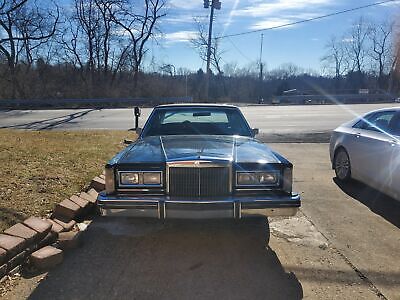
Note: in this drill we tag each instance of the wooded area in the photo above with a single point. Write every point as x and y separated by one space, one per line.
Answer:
98 48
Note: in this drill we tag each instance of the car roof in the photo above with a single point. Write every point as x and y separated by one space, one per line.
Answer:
397 108
196 105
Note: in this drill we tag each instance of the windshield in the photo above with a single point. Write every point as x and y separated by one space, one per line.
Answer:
196 121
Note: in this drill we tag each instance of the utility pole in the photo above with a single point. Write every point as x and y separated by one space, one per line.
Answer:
215 4
261 68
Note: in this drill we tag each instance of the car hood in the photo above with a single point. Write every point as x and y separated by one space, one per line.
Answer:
205 147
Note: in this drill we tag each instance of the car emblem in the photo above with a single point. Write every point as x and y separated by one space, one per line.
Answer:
197 163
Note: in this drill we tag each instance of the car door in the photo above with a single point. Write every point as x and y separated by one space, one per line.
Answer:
393 160
374 148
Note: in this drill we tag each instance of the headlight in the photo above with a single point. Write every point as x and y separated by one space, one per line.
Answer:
140 178
152 178
257 178
130 178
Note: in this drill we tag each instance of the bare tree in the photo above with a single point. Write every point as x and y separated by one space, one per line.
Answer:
140 25
394 75
357 44
381 48
200 43
88 20
24 26
335 56
168 69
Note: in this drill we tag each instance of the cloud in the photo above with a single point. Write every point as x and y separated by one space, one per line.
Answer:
180 36
230 17
285 19
280 12
184 4
347 40
271 22
281 6
394 3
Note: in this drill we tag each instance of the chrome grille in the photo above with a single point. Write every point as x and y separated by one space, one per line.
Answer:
196 182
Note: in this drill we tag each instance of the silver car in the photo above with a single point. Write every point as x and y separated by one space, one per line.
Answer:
368 149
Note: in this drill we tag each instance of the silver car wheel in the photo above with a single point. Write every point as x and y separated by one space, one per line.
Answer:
342 165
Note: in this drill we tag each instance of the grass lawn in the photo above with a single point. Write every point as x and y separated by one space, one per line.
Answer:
41 168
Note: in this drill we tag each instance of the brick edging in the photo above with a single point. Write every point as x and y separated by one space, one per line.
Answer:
40 242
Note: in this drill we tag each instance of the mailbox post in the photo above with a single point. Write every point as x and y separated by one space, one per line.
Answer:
137 113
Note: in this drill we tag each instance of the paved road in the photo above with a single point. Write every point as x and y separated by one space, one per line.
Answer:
344 244
270 119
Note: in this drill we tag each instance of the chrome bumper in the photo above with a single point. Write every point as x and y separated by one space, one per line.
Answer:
163 207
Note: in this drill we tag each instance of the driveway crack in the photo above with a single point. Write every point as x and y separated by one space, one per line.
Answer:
359 273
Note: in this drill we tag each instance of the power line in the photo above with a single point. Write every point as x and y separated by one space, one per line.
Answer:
307 20
238 50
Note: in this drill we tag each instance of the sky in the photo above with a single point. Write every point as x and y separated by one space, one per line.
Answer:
302 44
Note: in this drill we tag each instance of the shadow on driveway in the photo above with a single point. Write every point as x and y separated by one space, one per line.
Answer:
377 202
50 123
142 259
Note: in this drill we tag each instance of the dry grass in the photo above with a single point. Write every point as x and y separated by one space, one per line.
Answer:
41 168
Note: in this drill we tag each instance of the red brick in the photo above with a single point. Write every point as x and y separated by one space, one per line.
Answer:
80 201
69 240
46 257
98 184
12 244
3 254
68 226
55 227
88 197
39 225
68 209
22 231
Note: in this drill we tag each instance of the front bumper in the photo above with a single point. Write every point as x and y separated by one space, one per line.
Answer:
163 207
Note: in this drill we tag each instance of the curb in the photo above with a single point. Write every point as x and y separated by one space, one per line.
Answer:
40 242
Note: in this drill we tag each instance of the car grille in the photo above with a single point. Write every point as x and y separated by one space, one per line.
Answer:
197 182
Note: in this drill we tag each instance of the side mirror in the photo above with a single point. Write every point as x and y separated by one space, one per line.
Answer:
127 142
138 130
255 131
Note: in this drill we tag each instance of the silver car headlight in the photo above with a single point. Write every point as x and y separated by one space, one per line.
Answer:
141 178
257 178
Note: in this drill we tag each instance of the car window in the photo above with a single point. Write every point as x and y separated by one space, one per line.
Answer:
376 122
196 121
195 117
394 125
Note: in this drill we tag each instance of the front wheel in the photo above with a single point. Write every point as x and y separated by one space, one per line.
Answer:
342 165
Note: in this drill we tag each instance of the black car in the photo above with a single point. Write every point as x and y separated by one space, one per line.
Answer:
198 161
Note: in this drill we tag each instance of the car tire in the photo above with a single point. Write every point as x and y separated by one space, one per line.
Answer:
342 165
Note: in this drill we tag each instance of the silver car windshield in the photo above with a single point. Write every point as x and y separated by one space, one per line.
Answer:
197 121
